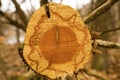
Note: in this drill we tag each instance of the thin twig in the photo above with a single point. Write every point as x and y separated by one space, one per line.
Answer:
94 75
107 44
100 10
20 12
42 2
13 22
71 77
111 30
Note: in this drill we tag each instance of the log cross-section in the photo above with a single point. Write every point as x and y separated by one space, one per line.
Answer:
57 42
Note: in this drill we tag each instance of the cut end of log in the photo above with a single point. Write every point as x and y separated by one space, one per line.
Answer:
57 42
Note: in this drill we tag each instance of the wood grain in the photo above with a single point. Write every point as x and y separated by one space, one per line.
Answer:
57 45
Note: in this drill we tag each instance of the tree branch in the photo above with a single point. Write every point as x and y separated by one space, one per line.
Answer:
13 22
42 2
107 44
94 75
20 12
100 10
111 30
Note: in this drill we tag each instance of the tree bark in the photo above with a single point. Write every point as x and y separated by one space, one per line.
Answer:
100 10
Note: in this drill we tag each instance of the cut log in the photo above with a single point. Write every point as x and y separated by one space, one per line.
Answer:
57 42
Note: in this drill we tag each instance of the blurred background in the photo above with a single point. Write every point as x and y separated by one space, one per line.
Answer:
14 16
